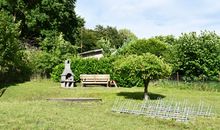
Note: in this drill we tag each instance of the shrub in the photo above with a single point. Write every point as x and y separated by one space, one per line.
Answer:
43 62
94 66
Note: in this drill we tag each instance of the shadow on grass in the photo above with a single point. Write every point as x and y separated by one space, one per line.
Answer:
140 95
2 91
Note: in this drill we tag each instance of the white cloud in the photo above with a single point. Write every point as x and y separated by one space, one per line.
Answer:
148 18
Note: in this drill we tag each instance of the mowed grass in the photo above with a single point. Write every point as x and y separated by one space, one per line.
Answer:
24 106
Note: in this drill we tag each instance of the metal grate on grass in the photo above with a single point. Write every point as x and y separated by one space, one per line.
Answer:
180 111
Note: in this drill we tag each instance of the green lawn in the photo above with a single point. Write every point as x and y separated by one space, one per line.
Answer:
24 106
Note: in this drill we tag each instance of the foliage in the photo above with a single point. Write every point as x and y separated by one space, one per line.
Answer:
84 66
111 34
88 39
57 71
42 63
147 67
51 55
197 57
51 26
127 35
94 66
13 62
169 39
10 47
105 45
59 46
37 16
141 46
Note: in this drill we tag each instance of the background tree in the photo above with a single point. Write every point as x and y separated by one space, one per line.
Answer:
40 17
127 35
169 39
147 67
88 40
106 46
13 61
51 26
51 54
197 57
111 34
141 46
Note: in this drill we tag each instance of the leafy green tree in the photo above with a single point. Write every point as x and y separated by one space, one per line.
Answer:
40 16
169 39
141 46
197 57
127 35
88 40
59 46
111 34
51 54
12 58
105 45
9 44
42 63
147 67
52 26
91 38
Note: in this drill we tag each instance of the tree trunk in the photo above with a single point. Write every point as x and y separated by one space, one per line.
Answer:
146 83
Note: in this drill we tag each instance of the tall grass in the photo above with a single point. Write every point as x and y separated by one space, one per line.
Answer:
201 86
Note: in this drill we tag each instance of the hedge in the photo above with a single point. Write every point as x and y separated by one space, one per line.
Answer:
94 66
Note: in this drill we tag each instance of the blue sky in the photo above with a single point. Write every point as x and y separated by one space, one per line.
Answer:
147 18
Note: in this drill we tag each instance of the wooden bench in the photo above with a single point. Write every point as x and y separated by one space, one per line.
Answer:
94 79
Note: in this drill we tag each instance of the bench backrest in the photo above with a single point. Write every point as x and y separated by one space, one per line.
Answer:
95 77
